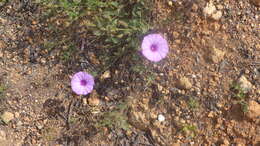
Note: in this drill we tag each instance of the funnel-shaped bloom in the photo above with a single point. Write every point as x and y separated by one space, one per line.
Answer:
154 47
82 83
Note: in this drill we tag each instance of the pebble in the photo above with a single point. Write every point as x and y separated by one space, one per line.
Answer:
211 114
217 15
39 127
43 60
84 101
93 100
160 88
175 34
7 117
211 11
2 44
161 118
216 55
106 75
184 83
2 20
16 114
245 84
170 3
2 135
19 124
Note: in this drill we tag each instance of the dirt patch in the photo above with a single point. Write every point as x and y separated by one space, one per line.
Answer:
195 88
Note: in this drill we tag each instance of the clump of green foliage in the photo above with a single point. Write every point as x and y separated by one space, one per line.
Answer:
116 23
2 90
244 106
189 129
238 92
193 103
116 118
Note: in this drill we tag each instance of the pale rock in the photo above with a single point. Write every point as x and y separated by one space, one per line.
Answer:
211 114
93 100
161 118
209 9
2 44
170 3
2 135
244 84
216 55
217 15
184 83
2 20
106 75
7 117
160 88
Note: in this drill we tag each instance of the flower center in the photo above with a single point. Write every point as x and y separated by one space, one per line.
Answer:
154 47
83 82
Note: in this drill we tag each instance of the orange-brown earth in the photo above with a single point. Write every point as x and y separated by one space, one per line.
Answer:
214 47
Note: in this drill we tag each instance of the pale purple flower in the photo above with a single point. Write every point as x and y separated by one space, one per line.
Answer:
82 83
154 47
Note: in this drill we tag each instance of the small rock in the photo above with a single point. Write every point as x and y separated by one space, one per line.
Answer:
217 15
93 100
19 124
255 2
209 9
106 75
1 53
175 34
216 55
39 127
7 117
170 3
161 118
245 84
184 83
160 88
211 114
2 135
253 110
84 101
43 60
2 44
2 20
16 115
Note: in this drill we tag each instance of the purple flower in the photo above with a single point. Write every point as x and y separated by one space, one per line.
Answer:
154 47
82 83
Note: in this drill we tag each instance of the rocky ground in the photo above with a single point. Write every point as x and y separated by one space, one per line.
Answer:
206 92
